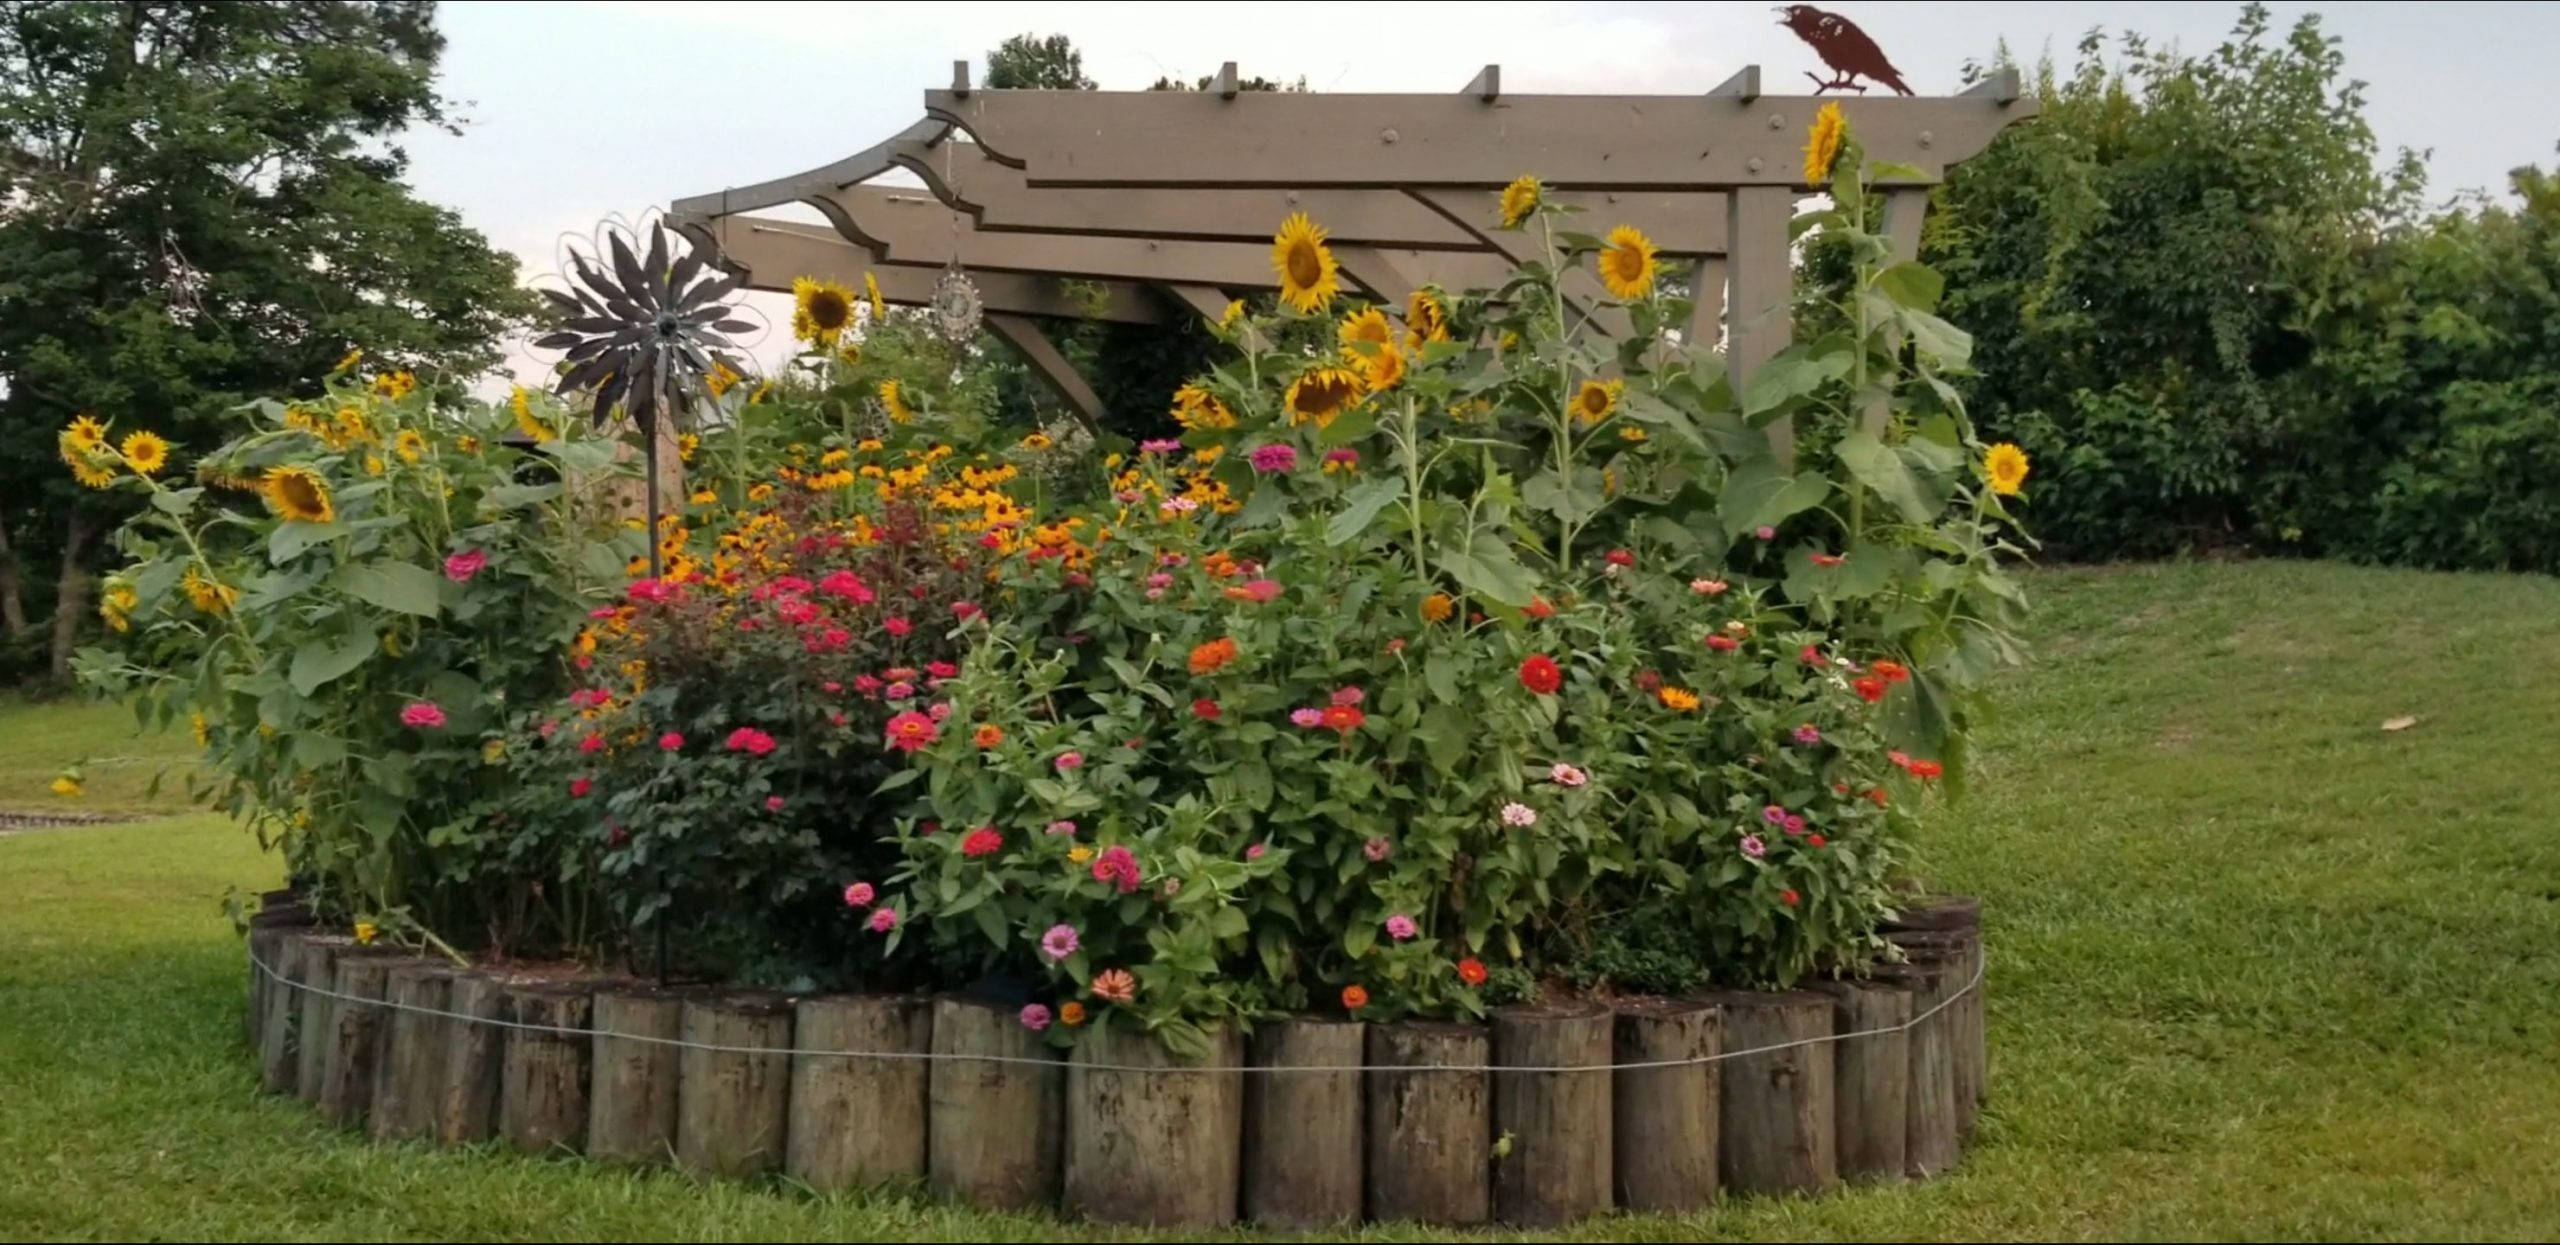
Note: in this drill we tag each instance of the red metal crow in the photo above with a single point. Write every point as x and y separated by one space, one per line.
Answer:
1843 47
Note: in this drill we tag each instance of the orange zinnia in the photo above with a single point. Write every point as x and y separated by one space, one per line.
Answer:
1213 656
1354 998
989 735
1438 607
1115 985
1071 1014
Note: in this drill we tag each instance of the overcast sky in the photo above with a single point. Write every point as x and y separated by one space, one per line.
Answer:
575 111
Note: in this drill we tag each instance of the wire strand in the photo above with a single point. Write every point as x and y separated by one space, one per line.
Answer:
269 972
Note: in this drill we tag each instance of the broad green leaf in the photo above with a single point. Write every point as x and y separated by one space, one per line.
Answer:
1756 495
1268 502
403 587
1574 503
1357 940
177 501
319 661
1491 571
511 496
1880 468
1447 736
1793 374
1228 922
315 749
991 923
1365 502
1952 347
1352 425
1912 284
292 538
1440 674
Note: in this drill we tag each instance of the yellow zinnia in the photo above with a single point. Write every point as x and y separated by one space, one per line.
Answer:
1626 263
1520 200
1308 274
1322 394
820 311
1597 400
2005 465
1822 145
146 453
895 401
299 494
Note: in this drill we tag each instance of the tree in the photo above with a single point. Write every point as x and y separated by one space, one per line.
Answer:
199 203
1033 63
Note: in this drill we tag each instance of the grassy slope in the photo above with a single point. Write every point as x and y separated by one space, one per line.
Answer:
2259 968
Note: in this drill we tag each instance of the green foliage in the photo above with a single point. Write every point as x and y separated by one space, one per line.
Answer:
1036 63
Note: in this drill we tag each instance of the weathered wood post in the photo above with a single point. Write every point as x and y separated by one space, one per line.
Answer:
1302 1130
1779 1120
409 1079
1930 1143
355 1038
279 1043
631 1087
996 1093
1560 1165
1665 1120
314 1017
1953 924
855 1121
542 1104
1873 1077
475 1059
1430 1130
1161 1145
732 1105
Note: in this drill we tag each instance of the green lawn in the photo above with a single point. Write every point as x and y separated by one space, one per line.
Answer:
2259 968
119 761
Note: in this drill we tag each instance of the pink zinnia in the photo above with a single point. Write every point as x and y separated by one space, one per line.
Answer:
652 590
883 920
1307 718
1062 826
749 739
1348 696
964 610
1060 942
1159 445
858 895
670 742
942 670
1118 867
1767 533
602 612
1345 455
1160 579
1795 824
1401 927
912 731
901 690
1255 852
897 626
1517 814
1376 849
866 684
941 711
579 787
983 841
1273 458
1774 815
773 804
848 585
1564 775
1070 760
426 715
797 612
1262 591
1808 736
1035 1016
1708 587
591 745
462 566
1752 846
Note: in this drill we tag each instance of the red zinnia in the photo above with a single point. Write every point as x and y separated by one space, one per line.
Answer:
1538 607
1789 897
1814 840
1622 557
1828 559
1471 971
984 841
1723 643
911 731
1648 681
1205 709
1877 794
1926 769
1344 718
1891 671
1869 690
579 787
1540 674
749 739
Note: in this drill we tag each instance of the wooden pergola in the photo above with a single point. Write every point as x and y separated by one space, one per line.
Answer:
1169 199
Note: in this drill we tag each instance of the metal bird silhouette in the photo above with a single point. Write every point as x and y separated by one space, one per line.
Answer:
1842 46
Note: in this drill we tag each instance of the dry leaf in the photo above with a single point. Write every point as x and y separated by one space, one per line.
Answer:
2400 724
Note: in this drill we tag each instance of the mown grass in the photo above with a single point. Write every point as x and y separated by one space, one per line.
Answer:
119 760
2260 969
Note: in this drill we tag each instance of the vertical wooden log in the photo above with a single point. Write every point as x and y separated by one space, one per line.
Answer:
475 1059
409 1078
1430 1145
279 1050
859 1122
1665 1120
269 933
1161 1147
1929 1134
355 1039
314 1018
631 1081
1778 1118
542 1102
1872 1075
996 1129
1957 951
1302 1131
1559 1166
732 1105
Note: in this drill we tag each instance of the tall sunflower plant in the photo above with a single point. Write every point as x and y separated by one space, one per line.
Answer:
346 603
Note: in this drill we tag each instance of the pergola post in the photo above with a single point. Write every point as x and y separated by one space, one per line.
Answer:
1763 296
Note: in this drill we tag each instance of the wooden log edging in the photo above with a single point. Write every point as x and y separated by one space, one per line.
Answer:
1543 1117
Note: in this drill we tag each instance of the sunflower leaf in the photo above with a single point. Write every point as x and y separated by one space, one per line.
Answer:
403 587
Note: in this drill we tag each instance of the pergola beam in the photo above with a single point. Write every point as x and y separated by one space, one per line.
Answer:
773 252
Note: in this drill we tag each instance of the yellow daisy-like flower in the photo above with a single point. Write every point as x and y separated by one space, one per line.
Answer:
820 311
705 497
895 400
2005 465
1520 200
871 290
116 606
366 932
1679 700
348 364
1368 326
721 378
1822 145
146 453
1426 318
1629 432
1037 441
1626 263
869 445
1322 394
85 434
835 457
93 474
209 595
373 465
395 385
1309 277
203 730
1196 408
493 752
1438 607
1079 853
467 444
1234 312
527 422
409 445
687 444
1597 400
299 494
1381 371
67 787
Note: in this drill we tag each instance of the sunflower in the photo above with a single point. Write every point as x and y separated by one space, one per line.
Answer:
117 605
409 445
85 434
299 494
351 428
1308 274
348 364
373 464
146 453
1321 394
1597 400
1382 371
1520 200
1235 311
209 595
895 401
526 421
395 385
1822 145
1196 408
871 290
820 311
92 473
1626 263
721 378
1427 318
2006 467
1370 326
1037 441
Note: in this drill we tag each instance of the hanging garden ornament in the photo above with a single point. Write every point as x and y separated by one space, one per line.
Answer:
956 307
644 336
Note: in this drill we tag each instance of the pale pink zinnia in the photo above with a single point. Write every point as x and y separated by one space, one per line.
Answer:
1035 1016
426 715
1376 849
1062 826
1401 927
1070 760
1060 942
1752 846
1307 718
1348 696
1517 814
1564 775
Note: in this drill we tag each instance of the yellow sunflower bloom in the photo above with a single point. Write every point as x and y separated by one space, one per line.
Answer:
409 445
895 401
871 290
1037 441
85 433
116 606
2005 465
209 595
820 311
1426 318
299 494
1597 400
1822 145
373 464
1196 408
1369 326
721 378
1234 312
528 422
1520 200
1626 263
92 474
1383 370
1322 394
146 453
1309 277
348 363
395 385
